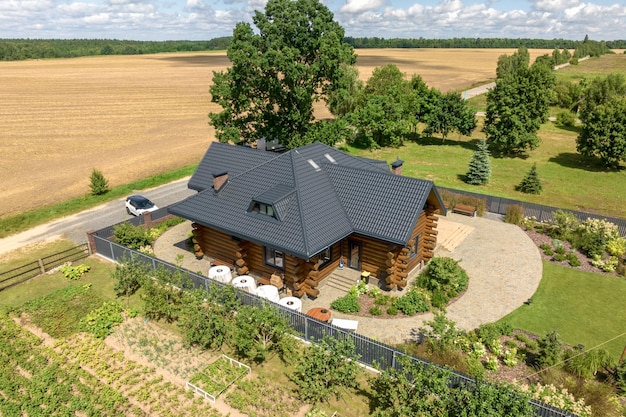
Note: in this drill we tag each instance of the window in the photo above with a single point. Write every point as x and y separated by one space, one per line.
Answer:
262 208
275 258
325 257
414 249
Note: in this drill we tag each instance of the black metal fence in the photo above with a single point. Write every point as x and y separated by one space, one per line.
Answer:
371 352
499 205
41 266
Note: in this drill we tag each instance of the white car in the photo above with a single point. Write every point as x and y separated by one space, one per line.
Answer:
138 205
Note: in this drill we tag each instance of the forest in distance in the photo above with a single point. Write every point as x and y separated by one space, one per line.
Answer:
23 49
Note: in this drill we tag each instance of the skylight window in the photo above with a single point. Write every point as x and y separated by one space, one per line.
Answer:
314 165
330 158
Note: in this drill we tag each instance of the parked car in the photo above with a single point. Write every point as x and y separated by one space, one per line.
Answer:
138 205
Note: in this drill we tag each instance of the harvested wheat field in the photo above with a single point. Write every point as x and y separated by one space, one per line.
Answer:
139 115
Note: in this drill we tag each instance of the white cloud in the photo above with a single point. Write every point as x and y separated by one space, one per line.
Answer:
358 6
97 18
554 5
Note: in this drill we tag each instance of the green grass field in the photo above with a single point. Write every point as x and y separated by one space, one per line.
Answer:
582 307
569 180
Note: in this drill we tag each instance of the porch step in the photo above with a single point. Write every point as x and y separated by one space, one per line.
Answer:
454 236
341 281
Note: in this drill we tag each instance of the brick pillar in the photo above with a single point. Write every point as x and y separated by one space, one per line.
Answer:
91 242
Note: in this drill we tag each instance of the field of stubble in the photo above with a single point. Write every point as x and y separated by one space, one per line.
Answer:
135 116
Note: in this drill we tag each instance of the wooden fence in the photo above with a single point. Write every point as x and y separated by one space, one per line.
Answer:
41 266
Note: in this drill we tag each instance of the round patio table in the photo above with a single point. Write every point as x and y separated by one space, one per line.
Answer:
320 313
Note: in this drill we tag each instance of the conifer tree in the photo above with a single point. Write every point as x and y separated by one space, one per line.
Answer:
99 184
531 183
479 166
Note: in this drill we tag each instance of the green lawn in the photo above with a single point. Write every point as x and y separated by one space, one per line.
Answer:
569 180
582 307
99 277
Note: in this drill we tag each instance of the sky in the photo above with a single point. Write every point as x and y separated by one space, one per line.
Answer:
158 20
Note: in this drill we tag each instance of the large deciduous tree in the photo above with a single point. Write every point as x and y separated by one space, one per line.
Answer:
382 116
603 133
451 113
295 57
518 104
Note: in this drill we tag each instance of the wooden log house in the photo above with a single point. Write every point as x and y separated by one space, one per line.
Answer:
298 214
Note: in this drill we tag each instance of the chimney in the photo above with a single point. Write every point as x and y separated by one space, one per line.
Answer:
219 179
396 167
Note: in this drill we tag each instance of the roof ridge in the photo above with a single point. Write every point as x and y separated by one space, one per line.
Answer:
297 188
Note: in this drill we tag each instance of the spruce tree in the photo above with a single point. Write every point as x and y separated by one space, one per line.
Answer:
531 183
479 166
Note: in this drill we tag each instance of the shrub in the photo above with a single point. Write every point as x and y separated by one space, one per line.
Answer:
564 225
510 357
74 272
530 183
376 311
492 331
607 265
439 299
514 214
392 310
491 363
619 375
616 246
550 350
475 367
349 303
595 234
573 259
586 364
413 302
443 274
134 237
559 257
98 184
510 344
566 118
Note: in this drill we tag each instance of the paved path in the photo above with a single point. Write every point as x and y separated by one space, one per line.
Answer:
503 264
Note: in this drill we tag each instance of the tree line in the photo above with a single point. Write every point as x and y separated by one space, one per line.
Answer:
376 42
22 49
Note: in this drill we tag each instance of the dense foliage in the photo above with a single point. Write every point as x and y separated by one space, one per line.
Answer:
519 103
21 49
376 42
420 390
444 278
295 57
325 368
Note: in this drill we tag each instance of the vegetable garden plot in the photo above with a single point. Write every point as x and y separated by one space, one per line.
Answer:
216 378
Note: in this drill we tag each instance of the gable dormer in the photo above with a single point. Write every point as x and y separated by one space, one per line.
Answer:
272 203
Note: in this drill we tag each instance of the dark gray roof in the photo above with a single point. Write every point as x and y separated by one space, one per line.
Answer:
222 157
321 195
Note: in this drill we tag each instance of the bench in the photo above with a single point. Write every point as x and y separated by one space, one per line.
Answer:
349 325
464 209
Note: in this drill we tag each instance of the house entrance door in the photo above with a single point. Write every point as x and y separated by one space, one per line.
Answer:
354 250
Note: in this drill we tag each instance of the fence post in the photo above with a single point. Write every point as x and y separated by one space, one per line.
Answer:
91 242
42 268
